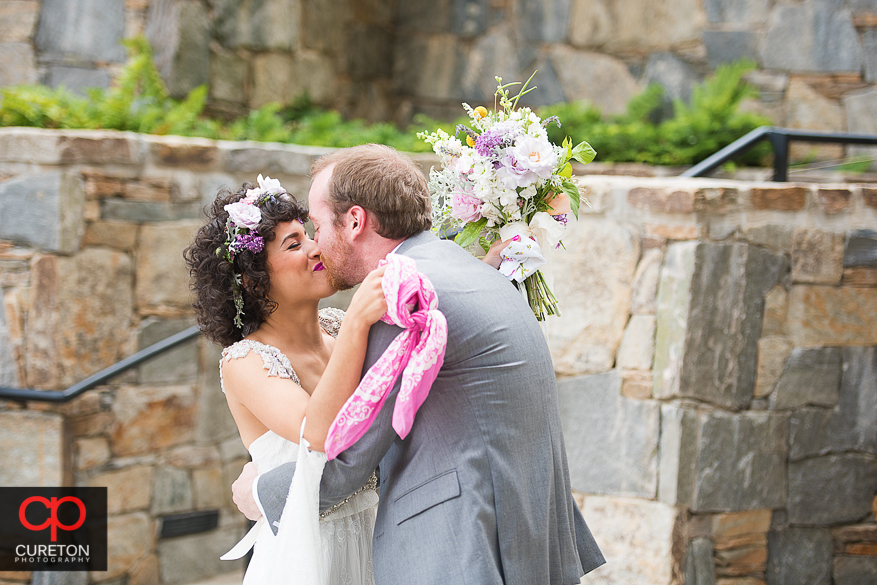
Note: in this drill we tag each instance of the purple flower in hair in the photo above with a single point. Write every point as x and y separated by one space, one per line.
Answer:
252 242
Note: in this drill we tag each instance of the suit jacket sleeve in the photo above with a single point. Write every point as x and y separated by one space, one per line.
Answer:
351 469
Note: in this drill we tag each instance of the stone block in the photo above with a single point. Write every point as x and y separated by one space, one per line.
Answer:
129 537
208 489
808 109
608 452
741 561
717 200
151 419
779 198
272 159
91 452
834 200
678 454
740 12
371 52
849 426
730 46
674 75
146 211
661 200
859 277
636 385
829 315
77 79
179 31
87 307
799 555
162 278
324 30
128 489
600 258
869 44
228 76
854 570
638 344
624 23
18 64
272 79
215 423
495 54
706 289
772 355
193 154
774 236
673 232
431 66
153 189
59 578
187 559
543 21
178 366
870 197
87 30
625 525
43 211
172 492
145 572
597 78
832 489
192 456
33 449
424 16
645 282
814 36
728 527
699 565
861 249
740 461
260 26
120 235
811 377
18 19
11 338
91 147
817 256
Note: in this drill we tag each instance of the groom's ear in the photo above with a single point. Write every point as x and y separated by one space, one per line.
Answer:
357 221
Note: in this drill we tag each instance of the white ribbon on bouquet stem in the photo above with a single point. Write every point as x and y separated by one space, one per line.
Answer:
524 255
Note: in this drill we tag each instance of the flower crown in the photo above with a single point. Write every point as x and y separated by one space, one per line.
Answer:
240 231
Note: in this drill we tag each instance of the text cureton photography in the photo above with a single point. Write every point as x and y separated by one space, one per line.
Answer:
53 529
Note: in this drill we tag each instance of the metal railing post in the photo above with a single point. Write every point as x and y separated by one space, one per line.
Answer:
780 144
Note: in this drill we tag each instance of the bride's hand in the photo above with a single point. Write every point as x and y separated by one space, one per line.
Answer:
492 257
242 492
368 303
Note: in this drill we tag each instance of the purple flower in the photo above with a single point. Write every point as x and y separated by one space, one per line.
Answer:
561 219
486 143
252 242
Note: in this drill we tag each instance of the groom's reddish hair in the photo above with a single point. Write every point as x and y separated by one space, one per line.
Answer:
382 181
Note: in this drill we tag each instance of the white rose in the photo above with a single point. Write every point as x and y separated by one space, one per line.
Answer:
269 185
536 155
244 214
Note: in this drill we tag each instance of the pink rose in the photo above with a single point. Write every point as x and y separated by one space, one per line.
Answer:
465 207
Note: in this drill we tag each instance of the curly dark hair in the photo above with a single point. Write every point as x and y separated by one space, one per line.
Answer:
212 276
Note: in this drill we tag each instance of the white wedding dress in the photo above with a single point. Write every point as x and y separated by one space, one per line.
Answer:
332 548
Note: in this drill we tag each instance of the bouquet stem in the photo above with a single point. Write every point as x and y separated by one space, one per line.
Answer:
542 300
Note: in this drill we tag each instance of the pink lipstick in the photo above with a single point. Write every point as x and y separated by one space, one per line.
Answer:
319 266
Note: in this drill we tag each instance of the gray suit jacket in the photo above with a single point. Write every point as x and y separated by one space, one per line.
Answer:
479 491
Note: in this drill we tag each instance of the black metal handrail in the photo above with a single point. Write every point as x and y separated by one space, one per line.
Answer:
779 139
102 376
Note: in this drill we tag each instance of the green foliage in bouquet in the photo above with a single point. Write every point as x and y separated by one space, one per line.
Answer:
711 121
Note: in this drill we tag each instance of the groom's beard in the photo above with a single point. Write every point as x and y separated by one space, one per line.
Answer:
339 275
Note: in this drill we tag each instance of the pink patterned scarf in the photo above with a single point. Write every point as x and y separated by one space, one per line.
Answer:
417 353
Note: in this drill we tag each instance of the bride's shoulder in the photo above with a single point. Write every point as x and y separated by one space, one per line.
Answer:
273 360
330 320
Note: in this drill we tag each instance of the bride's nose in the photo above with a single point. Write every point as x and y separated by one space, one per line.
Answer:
313 250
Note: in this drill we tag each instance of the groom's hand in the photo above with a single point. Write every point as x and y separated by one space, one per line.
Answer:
242 492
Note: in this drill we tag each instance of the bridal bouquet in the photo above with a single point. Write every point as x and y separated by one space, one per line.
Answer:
508 182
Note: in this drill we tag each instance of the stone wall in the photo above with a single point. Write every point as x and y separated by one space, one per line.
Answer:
385 59
717 360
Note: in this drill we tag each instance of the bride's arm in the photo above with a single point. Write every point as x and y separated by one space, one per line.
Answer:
257 399
344 369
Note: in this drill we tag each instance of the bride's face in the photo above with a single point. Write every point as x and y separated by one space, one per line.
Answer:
294 266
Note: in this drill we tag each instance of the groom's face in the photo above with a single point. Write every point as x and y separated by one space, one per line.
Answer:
336 252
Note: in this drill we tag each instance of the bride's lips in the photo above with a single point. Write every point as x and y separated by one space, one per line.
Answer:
319 266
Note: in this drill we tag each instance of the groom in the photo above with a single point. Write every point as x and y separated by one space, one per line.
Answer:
479 491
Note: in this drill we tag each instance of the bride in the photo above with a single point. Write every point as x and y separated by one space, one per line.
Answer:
286 370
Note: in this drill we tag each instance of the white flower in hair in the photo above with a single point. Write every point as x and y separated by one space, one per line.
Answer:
269 185
243 214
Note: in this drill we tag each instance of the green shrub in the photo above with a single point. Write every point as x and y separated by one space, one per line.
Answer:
138 101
